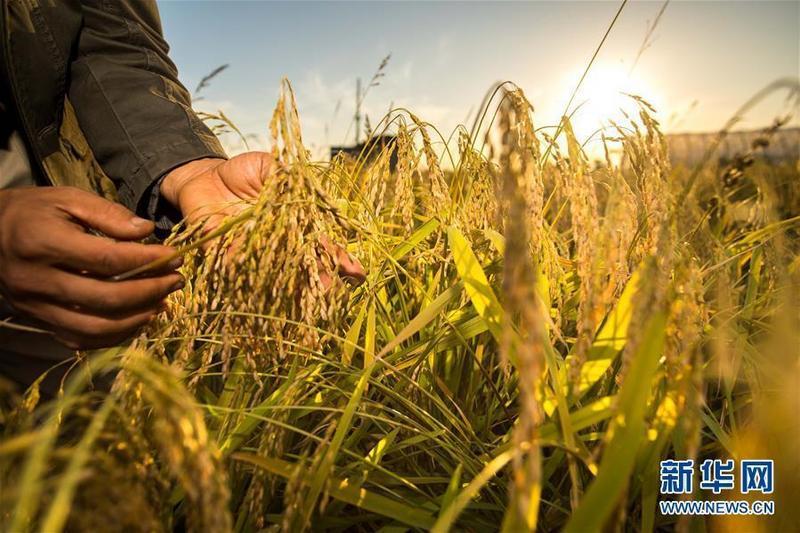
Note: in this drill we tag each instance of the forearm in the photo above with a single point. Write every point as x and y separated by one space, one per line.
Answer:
133 110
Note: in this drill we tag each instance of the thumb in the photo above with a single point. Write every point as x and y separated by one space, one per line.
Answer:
110 218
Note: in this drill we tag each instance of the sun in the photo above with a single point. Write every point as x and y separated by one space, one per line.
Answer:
604 97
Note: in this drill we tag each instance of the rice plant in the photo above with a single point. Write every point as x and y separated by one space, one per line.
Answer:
535 333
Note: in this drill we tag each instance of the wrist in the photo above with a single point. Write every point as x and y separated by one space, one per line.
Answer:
177 178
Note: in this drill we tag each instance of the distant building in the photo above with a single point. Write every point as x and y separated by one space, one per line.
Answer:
375 144
370 149
689 148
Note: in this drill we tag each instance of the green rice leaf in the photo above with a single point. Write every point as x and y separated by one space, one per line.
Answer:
417 237
608 343
351 338
381 447
369 336
452 487
497 240
425 317
253 417
59 509
325 469
449 515
30 485
625 433
343 490
476 283
720 434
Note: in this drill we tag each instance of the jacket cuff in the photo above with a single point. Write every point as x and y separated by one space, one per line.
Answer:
141 193
160 211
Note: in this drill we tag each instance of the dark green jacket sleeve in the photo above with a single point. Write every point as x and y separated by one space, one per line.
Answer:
134 112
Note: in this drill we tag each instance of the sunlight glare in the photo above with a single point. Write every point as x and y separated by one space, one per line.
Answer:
603 98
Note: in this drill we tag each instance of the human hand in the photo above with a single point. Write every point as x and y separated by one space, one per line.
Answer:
212 188
215 188
349 268
53 270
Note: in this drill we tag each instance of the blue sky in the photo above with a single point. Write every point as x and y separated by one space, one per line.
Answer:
706 58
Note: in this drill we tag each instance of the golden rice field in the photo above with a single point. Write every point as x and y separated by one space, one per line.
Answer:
535 333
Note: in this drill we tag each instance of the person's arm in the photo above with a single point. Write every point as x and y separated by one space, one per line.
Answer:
138 120
134 112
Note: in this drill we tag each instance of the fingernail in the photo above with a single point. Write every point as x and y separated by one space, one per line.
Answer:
175 263
140 222
179 285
